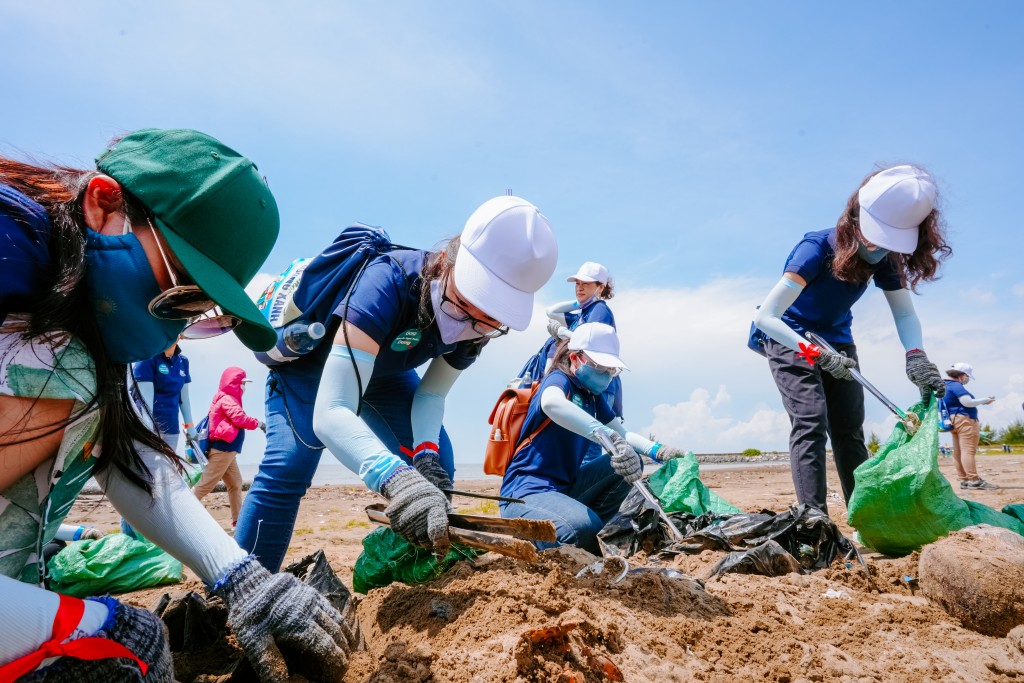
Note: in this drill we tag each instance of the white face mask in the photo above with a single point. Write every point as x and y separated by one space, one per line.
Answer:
452 330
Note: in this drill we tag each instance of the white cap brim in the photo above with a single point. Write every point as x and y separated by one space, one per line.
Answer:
900 240
491 294
605 359
580 278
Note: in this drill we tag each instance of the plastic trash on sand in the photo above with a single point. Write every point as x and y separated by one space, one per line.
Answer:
112 564
901 501
387 557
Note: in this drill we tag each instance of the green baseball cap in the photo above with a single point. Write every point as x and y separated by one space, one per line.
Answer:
212 206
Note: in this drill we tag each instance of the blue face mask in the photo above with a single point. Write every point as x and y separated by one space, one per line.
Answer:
594 380
121 285
871 257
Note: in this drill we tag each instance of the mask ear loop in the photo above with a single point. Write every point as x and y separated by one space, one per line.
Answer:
127 227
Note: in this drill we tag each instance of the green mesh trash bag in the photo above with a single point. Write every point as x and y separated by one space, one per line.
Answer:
901 501
387 557
678 486
112 564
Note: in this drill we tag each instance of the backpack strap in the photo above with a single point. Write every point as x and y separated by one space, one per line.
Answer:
529 439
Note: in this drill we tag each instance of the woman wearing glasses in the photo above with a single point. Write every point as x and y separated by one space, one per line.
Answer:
550 471
104 267
361 397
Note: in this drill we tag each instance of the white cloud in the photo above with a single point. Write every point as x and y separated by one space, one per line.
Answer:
1018 290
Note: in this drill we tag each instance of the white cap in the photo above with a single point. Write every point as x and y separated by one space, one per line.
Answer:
893 203
964 368
590 272
507 253
600 343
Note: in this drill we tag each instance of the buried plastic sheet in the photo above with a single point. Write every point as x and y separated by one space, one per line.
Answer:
112 564
806 534
901 501
387 557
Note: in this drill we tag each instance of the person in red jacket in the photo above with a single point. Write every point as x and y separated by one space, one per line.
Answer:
228 423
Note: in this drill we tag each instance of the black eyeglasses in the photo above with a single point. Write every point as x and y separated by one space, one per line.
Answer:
457 312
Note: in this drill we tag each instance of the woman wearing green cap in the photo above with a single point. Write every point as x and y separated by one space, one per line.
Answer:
104 267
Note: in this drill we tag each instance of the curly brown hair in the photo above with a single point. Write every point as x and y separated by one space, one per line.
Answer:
608 290
922 265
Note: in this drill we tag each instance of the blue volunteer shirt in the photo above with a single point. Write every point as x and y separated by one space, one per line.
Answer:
824 306
954 392
550 462
25 259
168 376
594 312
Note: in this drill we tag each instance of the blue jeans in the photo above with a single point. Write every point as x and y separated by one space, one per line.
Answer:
293 452
580 512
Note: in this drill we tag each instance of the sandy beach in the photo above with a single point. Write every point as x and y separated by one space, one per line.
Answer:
836 624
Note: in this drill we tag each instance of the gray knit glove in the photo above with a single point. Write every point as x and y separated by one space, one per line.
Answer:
625 461
558 330
924 374
139 630
285 625
835 364
666 453
418 510
428 463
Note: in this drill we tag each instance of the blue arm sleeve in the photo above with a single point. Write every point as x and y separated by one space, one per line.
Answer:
769 316
185 405
336 424
908 325
567 414
428 402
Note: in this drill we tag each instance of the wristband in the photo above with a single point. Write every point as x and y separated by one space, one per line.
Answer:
426 446
653 452
188 424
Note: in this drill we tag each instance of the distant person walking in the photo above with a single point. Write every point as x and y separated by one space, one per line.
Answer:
228 423
963 413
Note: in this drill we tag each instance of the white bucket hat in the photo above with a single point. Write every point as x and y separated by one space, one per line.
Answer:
600 342
964 368
893 203
507 253
590 272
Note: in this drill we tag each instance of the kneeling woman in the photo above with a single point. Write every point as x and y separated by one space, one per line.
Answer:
548 471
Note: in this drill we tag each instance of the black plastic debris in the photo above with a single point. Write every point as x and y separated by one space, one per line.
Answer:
807 535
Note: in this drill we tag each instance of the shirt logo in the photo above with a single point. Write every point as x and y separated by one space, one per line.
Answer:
406 340
577 399
163 369
181 372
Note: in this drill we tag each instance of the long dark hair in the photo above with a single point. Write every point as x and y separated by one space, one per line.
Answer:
561 360
65 310
437 265
922 265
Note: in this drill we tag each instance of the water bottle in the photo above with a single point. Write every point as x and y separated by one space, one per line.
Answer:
293 341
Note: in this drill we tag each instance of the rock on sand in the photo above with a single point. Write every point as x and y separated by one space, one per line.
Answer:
977 575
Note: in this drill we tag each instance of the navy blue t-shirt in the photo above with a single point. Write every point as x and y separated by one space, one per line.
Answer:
24 252
233 446
824 304
168 376
595 312
954 392
550 462
384 304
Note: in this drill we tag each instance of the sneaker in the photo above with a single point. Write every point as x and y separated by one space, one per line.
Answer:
965 484
982 485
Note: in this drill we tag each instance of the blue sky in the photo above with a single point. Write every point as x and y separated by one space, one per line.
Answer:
686 146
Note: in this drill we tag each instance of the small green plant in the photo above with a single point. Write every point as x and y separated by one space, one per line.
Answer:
354 523
874 443
1013 433
751 453
303 530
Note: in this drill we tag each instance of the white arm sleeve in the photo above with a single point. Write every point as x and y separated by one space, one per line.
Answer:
769 315
908 325
968 402
428 402
185 405
27 613
173 519
558 311
567 414
639 443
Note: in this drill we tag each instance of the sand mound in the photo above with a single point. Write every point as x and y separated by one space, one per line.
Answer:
977 575
503 621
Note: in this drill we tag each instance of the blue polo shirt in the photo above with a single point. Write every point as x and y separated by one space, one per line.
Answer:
824 304
551 461
595 312
25 259
168 376
954 392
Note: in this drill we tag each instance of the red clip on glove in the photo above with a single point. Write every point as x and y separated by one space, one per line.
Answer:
835 364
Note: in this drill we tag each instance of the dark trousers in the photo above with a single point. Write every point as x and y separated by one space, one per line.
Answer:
820 407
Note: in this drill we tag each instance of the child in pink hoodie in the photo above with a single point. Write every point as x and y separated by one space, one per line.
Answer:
228 423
